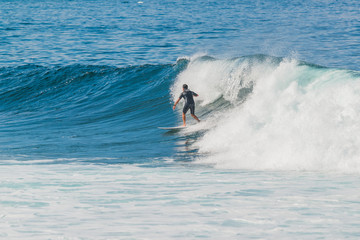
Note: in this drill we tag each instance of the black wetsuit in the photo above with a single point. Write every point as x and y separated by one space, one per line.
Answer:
189 101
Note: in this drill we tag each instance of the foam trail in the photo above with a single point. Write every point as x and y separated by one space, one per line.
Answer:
297 117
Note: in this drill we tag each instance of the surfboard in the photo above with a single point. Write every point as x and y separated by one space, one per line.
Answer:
172 128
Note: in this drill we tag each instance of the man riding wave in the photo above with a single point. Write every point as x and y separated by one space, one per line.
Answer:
189 103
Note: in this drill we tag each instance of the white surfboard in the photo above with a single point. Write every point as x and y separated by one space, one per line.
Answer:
172 128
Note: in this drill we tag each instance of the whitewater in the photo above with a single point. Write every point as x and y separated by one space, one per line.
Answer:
84 86
278 114
179 202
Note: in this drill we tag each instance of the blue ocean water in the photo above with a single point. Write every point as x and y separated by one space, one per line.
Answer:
84 86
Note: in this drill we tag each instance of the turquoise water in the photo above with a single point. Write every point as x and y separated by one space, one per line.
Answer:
84 86
179 202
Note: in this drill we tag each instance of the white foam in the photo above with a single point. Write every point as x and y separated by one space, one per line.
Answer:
212 79
298 117
65 201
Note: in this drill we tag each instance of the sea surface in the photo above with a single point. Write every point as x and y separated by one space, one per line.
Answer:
84 86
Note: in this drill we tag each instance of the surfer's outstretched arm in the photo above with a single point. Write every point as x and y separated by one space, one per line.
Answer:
176 103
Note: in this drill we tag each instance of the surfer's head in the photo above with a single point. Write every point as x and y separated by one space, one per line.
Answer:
185 86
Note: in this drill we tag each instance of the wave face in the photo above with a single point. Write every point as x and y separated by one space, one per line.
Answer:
85 112
257 112
275 113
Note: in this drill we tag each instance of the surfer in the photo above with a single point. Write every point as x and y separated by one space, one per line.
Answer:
189 103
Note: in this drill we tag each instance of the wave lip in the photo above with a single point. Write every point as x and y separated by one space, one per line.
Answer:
292 116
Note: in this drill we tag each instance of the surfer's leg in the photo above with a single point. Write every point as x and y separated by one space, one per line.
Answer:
184 119
192 111
196 118
185 109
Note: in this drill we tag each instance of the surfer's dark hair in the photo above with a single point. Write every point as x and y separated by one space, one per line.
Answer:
185 86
